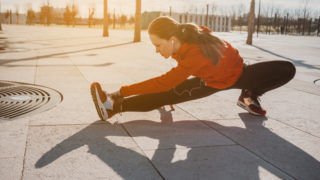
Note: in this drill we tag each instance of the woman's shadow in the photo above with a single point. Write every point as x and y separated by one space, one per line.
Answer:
254 147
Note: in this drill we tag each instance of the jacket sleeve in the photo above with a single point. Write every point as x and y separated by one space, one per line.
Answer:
164 82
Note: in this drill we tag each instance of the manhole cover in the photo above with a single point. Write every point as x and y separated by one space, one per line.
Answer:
317 82
20 99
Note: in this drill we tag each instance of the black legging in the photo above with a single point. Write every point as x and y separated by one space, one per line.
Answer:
259 78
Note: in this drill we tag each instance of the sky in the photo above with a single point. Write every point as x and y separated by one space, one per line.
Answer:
225 7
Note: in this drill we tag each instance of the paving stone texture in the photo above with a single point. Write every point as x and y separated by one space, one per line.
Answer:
209 138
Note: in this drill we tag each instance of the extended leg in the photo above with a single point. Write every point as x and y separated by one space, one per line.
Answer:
190 89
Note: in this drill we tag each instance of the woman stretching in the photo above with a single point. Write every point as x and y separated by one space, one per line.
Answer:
214 64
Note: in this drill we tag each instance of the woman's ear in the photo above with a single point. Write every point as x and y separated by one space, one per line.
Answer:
175 43
173 39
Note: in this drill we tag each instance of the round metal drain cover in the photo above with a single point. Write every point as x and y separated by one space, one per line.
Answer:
20 99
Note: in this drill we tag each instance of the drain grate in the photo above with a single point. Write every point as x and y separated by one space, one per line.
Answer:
20 99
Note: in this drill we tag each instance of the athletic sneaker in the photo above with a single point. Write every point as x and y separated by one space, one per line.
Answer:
103 102
250 103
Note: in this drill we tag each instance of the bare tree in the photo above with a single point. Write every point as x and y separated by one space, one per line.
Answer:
67 15
91 14
241 9
258 23
105 19
137 27
42 15
123 20
30 16
10 16
49 15
6 15
213 8
233 14
74 13
272 9
17 14
305 12
46 15
251 23
267 18
0 18
131 20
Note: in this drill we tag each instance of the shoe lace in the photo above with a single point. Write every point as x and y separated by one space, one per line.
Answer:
115 100
256 100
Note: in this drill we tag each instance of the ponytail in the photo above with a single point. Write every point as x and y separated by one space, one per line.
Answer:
210 45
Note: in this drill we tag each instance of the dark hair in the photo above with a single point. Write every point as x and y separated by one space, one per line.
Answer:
165 27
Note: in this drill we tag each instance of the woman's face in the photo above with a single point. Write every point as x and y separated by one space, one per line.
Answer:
163 46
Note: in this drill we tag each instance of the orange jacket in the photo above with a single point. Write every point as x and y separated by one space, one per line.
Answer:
192 62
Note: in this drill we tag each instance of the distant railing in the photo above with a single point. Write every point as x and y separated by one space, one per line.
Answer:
215 23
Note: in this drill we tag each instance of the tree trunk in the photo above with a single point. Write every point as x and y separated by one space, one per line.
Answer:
258 25
137 26
207 16
105 20
318 26
0 23
251 23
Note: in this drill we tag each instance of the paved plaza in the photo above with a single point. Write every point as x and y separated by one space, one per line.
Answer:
209 138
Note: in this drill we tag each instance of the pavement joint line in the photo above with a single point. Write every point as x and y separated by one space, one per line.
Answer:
294 127
25 151
224 119
234 141
194 147
9 157
43 125
155 168
197 117
36 72
83 76
303 91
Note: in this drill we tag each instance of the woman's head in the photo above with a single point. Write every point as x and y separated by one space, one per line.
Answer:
167 35
163 35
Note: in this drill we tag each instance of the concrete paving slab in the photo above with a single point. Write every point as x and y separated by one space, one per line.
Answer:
160 115
18 75
69 59
291 150
84 152
11 168
13 135
212 163
157 135
295 108
12 138
68 76
212 107
80 111
306 86
17 71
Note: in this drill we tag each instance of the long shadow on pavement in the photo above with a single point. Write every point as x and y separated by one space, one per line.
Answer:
295 61
254 147
3 62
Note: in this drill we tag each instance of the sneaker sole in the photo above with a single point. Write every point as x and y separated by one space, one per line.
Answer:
245 107
98 104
